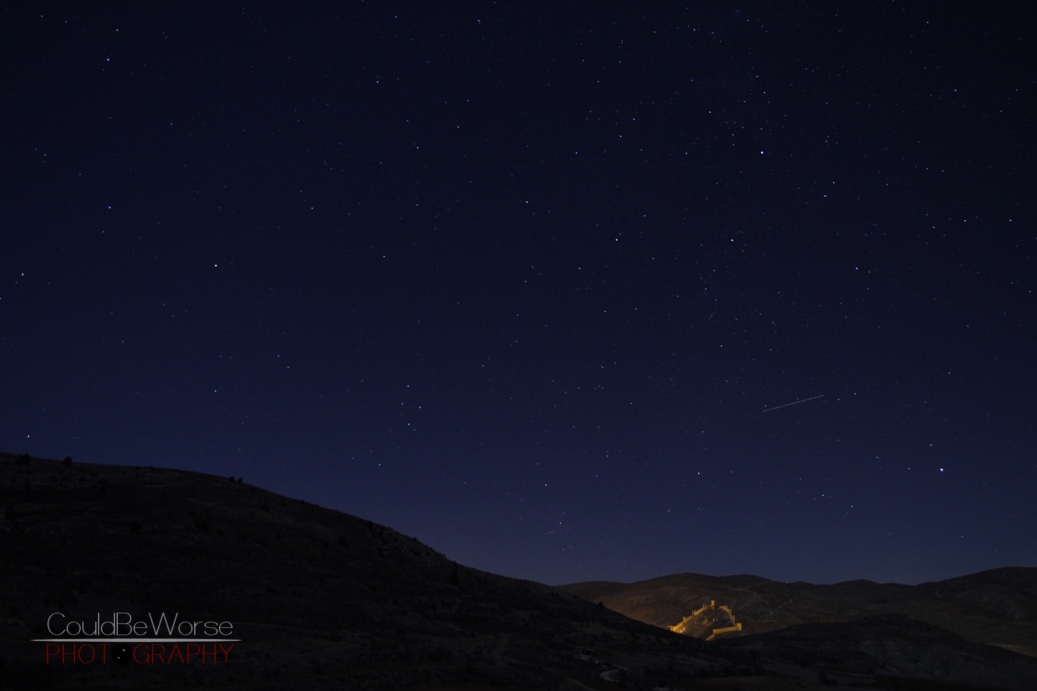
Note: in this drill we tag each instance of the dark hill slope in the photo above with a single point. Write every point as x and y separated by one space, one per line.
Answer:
892 649
319 599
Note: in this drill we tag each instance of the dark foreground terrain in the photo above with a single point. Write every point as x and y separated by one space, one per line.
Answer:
959 630
321 599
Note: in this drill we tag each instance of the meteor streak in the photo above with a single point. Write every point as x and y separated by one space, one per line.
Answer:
786 405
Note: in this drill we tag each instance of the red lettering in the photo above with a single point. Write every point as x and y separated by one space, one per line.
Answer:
157 651
73 653
226 651
136 654
177 653
206 654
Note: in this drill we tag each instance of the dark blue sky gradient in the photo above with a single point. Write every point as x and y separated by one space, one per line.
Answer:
520 279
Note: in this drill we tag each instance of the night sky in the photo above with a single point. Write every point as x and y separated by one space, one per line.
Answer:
521 279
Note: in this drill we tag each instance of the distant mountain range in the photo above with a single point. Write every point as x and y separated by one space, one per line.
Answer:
276 593
997 607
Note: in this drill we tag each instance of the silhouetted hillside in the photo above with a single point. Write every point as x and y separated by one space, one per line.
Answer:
319 599
315 598
889 647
